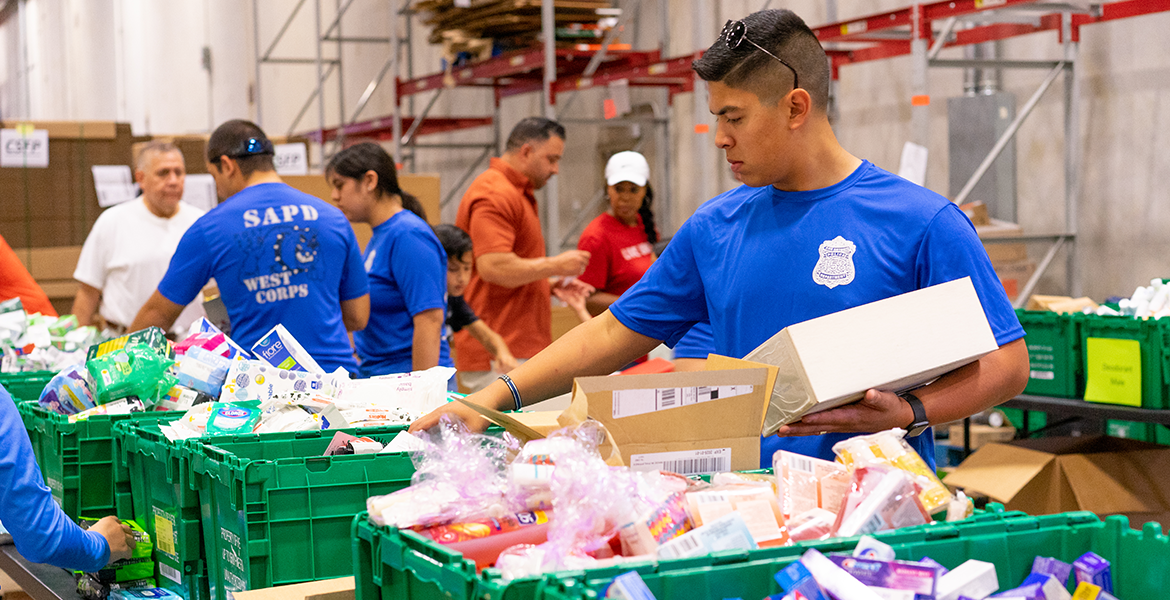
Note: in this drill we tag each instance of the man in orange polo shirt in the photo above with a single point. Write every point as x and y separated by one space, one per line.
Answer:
510 284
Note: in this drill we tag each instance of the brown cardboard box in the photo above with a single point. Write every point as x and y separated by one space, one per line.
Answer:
563 319
655 426
1014 276
892 344
425 187
981 435
1060 304
1002 252
341 588
1051 475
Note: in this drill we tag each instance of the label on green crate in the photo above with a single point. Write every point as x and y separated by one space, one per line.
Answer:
230 555
165 538
1113 371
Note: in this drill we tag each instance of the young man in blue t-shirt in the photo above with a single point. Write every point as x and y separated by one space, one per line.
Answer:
813 230
278 256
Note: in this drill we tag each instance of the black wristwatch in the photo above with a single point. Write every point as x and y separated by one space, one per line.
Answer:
920 423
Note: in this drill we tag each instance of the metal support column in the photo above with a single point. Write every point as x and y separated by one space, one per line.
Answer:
320 83
395 53
1072 150
548 27
919 85
703 142
256 44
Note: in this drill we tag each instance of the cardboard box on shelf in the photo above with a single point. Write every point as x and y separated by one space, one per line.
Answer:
831 360
1060 304
1002 252
1052 475
1014 276
341 588
981 435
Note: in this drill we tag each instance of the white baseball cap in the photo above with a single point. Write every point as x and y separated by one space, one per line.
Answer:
627 166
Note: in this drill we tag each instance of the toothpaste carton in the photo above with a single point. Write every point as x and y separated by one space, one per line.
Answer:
280 349
798 581
1054 567
1091 568
894 575
1038 586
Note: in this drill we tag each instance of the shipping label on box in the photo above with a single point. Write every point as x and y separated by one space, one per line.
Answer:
691 423
892 344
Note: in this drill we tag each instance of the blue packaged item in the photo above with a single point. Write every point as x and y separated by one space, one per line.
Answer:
628 586
930 562
280 349
1038 586
797 578
1091 568
202 370
155 593
205 326
1054 567
69 392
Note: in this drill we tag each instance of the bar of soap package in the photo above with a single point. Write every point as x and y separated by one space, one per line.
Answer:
893 344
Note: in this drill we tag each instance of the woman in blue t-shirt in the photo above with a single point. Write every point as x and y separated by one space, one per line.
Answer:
404 260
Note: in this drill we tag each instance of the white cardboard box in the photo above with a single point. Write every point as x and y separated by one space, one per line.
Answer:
893 344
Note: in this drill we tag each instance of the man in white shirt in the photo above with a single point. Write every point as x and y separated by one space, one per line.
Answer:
130 246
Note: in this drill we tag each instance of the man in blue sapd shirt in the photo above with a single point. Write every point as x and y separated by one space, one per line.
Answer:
813 230
277 255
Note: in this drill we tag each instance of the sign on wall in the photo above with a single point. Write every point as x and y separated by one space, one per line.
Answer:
291 159
24 147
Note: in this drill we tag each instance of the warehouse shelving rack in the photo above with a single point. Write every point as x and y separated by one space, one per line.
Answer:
923 30
557 73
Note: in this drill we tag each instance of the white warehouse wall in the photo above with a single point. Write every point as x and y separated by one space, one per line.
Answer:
140 61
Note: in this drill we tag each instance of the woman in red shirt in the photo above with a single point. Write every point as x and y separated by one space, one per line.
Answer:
620 240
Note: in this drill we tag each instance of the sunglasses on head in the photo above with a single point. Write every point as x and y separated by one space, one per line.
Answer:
251 147
735 33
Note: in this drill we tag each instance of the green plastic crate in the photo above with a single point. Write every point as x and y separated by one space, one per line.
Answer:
78 461
1130 430
1054 353
393 563
274 511
1139 559
164 497
1154 337
1036 419
27 385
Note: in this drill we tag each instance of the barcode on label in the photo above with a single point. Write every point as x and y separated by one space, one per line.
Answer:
707 394
706 497
679 547
170 573
875 523
800 463
698 466
667 398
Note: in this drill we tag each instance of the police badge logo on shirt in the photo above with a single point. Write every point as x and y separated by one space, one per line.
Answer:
835 266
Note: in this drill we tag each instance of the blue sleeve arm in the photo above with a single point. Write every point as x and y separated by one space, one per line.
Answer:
42 532
354 283
419 265
189 270
952 250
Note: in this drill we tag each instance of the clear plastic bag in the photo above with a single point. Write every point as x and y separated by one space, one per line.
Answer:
890 448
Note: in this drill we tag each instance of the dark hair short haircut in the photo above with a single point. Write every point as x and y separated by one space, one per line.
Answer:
455 241
244 142
357 160
533 129
787 36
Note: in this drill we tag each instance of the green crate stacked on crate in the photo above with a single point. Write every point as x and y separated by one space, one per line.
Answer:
1054 353
165 500
1153 337
274 511
78 461
393 563
26 385
1139 559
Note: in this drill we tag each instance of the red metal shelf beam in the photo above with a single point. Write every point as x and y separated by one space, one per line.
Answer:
383 128
862 30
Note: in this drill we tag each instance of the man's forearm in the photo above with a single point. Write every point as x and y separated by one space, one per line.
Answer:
157 312
86 303
987 382
597 347
511 271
